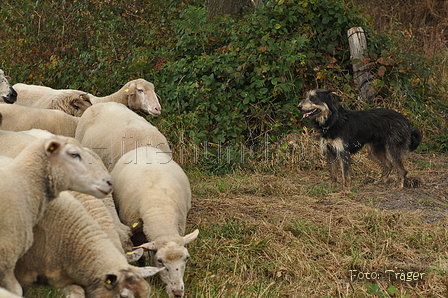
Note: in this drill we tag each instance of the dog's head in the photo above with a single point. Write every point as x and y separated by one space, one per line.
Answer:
319 104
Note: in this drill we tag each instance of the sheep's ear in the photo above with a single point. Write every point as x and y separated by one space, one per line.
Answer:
135 255
147 246
191 237
52 147
82 102
130 89
1 119
137 227
110 281
149 271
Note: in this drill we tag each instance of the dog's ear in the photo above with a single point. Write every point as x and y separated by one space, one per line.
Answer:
334 97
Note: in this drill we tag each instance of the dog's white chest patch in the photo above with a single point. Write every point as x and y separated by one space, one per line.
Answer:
331 144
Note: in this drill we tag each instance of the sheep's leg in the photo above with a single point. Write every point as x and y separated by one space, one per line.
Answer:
11 283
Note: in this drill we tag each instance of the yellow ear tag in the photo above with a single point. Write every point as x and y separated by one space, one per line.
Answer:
127 90
108 282
129 252
135 224
51 148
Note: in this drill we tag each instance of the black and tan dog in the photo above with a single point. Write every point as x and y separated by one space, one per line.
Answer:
344 132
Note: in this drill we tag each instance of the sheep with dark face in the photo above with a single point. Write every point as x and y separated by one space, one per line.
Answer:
7 93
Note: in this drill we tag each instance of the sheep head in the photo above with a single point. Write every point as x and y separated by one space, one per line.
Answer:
8 94
171 253
81 103
126 283
141 96
73 167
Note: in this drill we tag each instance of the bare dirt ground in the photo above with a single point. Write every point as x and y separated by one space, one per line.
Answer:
427 189
274 200
279 196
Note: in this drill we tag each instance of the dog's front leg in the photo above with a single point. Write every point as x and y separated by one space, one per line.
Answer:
345 167
333 160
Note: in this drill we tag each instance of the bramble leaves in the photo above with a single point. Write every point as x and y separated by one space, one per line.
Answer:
220 79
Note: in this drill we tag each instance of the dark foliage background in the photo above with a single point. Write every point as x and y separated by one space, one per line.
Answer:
225 79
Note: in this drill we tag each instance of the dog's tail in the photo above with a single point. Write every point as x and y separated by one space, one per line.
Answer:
416 139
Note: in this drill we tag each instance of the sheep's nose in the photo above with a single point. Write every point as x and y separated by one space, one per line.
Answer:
156 110
179 293
110 183
300 107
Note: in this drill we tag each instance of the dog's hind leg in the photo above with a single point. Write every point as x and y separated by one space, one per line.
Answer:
397 159
384 159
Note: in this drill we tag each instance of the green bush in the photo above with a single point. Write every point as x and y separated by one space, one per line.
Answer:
237 79
227 80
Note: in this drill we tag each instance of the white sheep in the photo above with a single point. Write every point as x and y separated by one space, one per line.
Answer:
138 95
7 294
151 187
7 93
110 129
72 102
11 143
35 177
104 212
19 118
71 252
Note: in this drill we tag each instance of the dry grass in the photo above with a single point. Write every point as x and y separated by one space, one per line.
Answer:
276 228
422 21
299 238
282 231
419 27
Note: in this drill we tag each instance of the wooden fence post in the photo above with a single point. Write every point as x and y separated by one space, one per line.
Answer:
361 69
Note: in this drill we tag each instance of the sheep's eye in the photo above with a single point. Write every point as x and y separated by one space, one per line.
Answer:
160 262
140 90
187 258
75 155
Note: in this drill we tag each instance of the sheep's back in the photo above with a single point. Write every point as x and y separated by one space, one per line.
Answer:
148 181
111 129
67 239
20 118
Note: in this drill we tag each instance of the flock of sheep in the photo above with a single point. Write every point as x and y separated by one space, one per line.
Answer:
87 186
